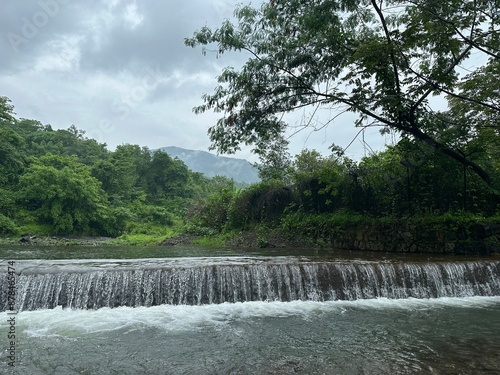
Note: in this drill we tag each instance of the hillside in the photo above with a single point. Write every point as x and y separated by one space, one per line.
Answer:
211 165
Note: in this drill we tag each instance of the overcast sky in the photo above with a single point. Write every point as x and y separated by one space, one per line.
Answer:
119 70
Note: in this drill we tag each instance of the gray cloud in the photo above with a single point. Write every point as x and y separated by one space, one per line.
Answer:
119 69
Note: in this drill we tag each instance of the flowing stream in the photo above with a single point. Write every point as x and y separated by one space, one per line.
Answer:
250 313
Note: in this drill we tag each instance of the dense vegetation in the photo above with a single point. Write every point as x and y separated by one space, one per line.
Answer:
383 61
60 182
405 181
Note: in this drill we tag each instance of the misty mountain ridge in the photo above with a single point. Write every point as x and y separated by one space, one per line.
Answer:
240 170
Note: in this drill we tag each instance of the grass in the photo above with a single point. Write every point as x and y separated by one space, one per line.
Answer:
145 234
137 239
215 241
36 229
135 234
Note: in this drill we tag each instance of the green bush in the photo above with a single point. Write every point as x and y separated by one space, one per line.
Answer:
7 226
211 213
263 202
154 214
112 221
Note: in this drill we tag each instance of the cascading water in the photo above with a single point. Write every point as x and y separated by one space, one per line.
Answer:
304 313
202 282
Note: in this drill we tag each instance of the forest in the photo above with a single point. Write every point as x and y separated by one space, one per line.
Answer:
59 182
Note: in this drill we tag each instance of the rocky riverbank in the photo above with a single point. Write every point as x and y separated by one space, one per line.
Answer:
471 239
244 239
272 239
33 240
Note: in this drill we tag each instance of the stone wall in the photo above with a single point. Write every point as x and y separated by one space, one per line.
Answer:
451 238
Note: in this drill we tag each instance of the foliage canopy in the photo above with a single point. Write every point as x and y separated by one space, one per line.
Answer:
72 184
380 59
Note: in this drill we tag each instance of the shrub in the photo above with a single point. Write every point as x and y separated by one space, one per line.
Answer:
263 202
7 226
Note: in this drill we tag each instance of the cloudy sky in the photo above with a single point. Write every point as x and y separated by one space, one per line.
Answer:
119 70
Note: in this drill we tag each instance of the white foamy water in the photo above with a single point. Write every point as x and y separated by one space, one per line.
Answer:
62 322
377 336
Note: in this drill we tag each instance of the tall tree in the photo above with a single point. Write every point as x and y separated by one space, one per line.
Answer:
61 192
41 139
6 110
274 159
123 176
11 160
380 59
165 177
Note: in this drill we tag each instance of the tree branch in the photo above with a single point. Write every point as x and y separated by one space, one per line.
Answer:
430 83
458 96
417 133
389 43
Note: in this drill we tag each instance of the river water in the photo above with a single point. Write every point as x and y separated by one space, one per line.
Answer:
438 335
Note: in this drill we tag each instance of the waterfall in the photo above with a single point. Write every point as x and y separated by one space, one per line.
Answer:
263 281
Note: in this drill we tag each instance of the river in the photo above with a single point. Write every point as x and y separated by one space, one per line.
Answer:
451 327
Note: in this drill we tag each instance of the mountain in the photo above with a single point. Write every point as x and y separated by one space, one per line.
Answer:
211 165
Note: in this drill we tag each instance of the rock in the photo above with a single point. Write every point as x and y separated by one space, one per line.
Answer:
184 239
25 239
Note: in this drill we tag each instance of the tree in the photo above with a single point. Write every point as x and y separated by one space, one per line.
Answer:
308 161
6 110
274 160
484 124
166 177
381 60
212 210
62 193
11 160
42 139
123 174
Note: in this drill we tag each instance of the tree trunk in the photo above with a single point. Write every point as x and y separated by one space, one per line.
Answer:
417 133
